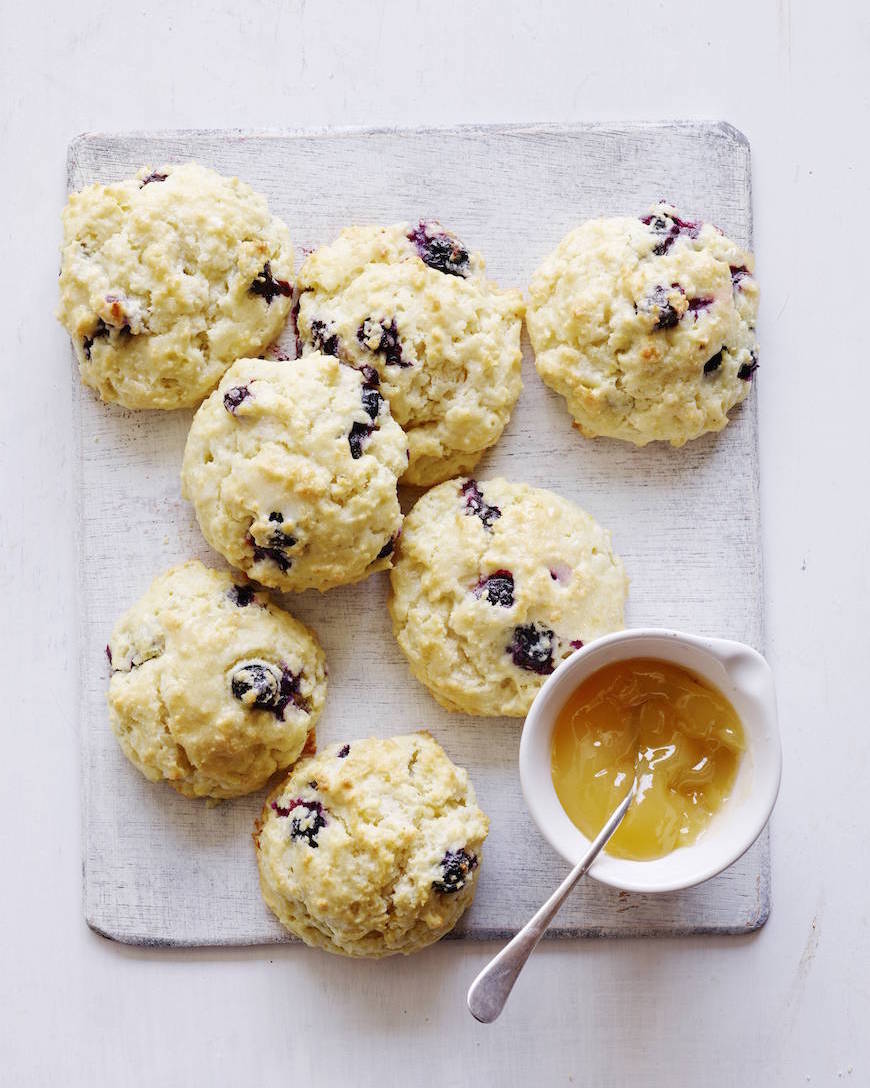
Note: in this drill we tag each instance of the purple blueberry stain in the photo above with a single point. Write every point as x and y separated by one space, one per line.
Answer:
294 325
152 178
476 505
561 572
382 339
531 648
235 396
668 228
344 751
109 653
748 369
441 251
456 867
267 287
278 543
497 589
307 822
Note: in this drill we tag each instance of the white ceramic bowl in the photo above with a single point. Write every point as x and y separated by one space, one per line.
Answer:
741 674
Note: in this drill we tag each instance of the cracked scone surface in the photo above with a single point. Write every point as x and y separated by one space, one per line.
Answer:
414 304
646 326
166 279
292 468
494 584
372 847
213 688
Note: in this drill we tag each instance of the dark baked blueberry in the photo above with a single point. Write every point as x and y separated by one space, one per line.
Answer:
498 588
234 397
370 375
532 648
441 251
371 401
307 822
344 751
456 867
152 178
267 287
387 549
748 369
101 330
713 363
265 686
659 303
696 305
475 504
325 338
738 272
388 343
668 228
241 596
359 432
257 684
278 543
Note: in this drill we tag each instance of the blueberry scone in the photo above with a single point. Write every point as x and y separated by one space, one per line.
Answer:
292 468
373 847
213 688
166 279
646 326
494 584
413 305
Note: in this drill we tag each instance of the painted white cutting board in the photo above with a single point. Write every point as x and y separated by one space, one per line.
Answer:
163 870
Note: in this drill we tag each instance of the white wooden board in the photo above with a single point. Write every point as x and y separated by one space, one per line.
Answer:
162 870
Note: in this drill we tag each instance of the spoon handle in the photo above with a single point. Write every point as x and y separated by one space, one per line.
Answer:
490 990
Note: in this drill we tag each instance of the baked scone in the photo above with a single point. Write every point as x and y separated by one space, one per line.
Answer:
166 279
493 584
646 326
372 847
414 304
292 469
213 688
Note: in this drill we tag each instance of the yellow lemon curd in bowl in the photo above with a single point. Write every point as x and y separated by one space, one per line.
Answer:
684 735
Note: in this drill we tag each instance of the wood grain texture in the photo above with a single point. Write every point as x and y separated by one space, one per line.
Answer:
162 870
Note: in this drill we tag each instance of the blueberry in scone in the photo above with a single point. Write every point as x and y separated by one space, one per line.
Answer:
646 326
372 847
292 469
213 688
166 279
412 305
493 585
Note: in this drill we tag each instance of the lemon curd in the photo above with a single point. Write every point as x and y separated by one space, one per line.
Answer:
688 739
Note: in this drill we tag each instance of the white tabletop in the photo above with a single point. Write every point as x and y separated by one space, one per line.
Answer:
787 1006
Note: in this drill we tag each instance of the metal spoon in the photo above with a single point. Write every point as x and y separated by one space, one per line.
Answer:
490 990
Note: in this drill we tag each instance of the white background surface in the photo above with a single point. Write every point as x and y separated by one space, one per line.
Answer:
786 1007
